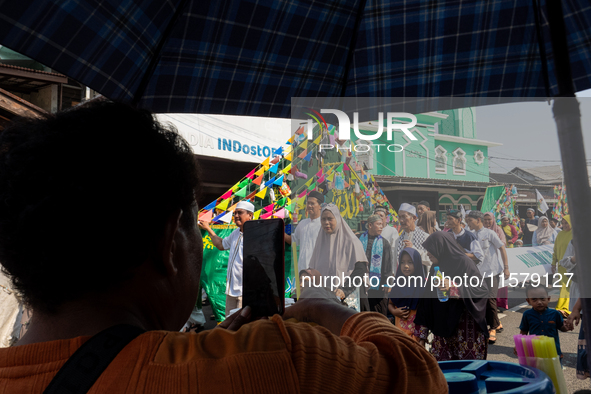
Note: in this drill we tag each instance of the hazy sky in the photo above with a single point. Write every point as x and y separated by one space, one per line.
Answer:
527 132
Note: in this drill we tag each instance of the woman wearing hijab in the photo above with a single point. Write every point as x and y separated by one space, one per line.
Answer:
459 324
428 222
339 253
560 245
410 285
545 234
503 293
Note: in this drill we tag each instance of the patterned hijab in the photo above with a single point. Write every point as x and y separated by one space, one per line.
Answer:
336 253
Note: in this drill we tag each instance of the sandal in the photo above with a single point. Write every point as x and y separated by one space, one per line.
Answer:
499 329
492 336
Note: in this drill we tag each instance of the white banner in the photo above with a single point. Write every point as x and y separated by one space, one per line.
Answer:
238 138
530 260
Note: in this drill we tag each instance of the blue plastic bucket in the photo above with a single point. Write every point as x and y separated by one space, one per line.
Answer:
480 377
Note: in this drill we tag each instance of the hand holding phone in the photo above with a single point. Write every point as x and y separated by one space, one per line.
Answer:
263 272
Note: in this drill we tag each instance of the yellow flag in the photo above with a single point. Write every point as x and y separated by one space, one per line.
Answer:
288 156
303 145
262 193
256 215
265 163
224 204
260 171
317 140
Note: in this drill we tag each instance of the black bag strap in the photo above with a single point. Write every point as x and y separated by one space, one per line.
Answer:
87 364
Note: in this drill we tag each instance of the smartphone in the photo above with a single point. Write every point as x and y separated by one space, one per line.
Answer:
263 282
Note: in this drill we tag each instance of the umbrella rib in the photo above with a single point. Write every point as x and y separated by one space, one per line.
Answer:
352 46
154 62
562 65
541 48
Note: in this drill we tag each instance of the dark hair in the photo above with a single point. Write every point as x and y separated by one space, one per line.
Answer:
475 215
529 288
425 203
554 220
318 196
456 213
84 194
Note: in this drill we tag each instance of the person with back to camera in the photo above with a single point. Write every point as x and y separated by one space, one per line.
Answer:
134 271
458 324
424 207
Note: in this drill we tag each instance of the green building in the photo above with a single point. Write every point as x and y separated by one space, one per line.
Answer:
447 165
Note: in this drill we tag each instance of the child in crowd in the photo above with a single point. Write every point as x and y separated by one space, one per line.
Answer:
410 283
541 320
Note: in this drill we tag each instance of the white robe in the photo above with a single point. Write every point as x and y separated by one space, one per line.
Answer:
305 236
390 234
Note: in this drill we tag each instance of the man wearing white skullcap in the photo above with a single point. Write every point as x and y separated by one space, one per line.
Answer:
242 214
411 235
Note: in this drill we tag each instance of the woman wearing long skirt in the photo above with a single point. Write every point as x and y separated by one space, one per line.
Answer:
459 324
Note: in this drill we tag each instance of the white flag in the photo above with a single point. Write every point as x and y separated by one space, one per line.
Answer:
542 206
463 211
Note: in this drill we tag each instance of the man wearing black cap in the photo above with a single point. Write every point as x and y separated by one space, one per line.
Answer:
466 239
306 231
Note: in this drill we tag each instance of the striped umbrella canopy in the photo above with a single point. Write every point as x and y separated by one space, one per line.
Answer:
250 57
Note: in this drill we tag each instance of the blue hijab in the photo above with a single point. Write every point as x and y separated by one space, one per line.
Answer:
409 295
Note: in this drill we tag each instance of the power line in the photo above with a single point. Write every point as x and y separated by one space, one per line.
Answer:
528 182
541 161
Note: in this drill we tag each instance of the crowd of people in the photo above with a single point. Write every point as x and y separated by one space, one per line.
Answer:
470 243
463 325
135 283
98 233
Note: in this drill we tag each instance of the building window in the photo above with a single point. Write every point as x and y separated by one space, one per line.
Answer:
440 160
459 163
478 157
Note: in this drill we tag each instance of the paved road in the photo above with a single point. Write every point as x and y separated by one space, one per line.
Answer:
502 350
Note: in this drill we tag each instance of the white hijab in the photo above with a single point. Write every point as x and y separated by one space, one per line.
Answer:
337 253
544 234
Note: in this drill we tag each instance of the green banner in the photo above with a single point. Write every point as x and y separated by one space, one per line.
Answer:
213 271
491 197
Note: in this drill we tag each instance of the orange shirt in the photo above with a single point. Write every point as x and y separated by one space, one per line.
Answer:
266 356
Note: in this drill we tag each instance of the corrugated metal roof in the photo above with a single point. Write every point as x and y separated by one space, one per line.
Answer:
2 65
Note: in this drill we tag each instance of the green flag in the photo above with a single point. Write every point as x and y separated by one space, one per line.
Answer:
241 192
